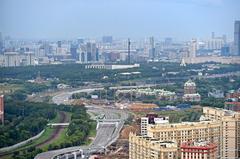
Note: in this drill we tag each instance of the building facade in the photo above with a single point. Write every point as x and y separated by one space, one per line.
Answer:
15 59
230 131
237 38
193 48
152 50
148 148
219 127
198 150
151 119
190 87
232 101
190 92
187 131
88 53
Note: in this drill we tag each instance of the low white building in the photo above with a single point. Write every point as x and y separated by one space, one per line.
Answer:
111 67
14 59
161 94
192 97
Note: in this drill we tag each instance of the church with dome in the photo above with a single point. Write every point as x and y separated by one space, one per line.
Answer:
190 92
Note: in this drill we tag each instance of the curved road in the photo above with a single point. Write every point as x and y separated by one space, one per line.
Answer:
108 129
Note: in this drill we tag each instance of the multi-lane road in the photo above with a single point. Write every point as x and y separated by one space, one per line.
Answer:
108 130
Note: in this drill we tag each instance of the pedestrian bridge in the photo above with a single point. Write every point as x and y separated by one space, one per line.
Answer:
108 120
58 124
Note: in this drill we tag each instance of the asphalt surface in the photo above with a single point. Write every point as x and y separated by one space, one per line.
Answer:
108 129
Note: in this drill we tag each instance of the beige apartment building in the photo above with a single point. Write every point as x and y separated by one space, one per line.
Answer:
230 131
141 147
220 127
187 131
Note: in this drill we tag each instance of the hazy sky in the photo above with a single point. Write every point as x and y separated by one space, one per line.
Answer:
181 19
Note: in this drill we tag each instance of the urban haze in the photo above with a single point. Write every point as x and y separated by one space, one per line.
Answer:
119 79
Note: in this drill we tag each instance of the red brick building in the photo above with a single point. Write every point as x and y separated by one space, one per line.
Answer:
198 150
233 101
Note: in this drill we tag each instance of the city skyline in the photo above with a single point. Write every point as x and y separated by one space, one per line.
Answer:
129 79
136 19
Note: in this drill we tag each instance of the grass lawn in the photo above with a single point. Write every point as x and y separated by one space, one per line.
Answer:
8 88
93 130
177 116
56 119
61 139
182 115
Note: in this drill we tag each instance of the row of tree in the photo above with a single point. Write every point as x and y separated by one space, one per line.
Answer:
76 74
24 120
78 130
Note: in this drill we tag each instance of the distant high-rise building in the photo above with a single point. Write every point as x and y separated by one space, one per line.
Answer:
107 39
193 48
213 35
93 52
215 44
59 44
44 49
21 50
224 37
30 56
1 43
152 48
12 59
89 53
47 48
73 51
129 51
2 109
168 41
97 54
82 57
225 51
80 41
237 38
